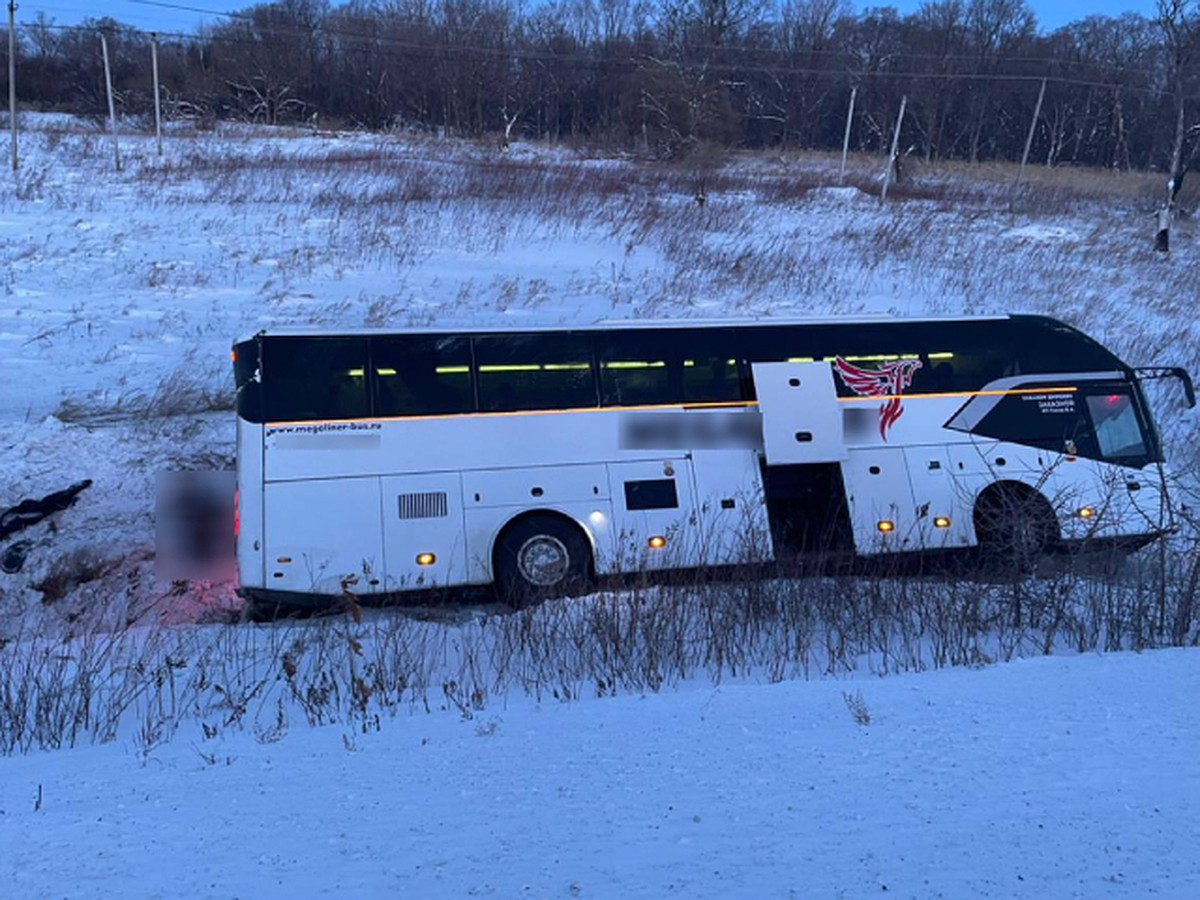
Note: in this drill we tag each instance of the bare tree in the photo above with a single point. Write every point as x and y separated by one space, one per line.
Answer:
1180 24
941 33
673 75
995 28
810 32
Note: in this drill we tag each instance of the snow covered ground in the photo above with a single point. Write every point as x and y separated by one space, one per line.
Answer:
1062 776
1051 777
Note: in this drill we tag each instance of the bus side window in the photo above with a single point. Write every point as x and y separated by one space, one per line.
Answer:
667 367
1052 421
637 372
1118 431
711 379
306 380
422 375
534 371
961 356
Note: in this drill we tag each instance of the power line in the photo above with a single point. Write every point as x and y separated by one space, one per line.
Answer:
184 8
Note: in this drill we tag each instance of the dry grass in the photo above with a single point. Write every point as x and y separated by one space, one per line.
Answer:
359 670
421 170
185 392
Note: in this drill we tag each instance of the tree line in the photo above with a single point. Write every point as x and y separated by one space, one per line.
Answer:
667 77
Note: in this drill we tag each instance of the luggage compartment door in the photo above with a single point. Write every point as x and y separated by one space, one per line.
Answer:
654 499
883 516
423 531
322 533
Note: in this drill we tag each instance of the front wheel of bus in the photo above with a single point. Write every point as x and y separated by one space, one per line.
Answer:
1015 526
539 558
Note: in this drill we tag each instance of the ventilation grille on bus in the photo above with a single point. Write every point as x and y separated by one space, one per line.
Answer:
428 505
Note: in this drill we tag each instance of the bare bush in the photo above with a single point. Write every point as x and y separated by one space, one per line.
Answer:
652 635
185 392
858 708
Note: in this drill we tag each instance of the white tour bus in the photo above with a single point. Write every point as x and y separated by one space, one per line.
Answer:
380 462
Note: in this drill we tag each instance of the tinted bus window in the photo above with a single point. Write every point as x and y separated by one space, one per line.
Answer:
1118 431
1044 345
422 376
533 371
866 347
947 357
711 378
315 378
1053 420
642 369
968 356
637 369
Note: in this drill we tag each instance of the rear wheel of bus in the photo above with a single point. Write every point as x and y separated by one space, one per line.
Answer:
541 557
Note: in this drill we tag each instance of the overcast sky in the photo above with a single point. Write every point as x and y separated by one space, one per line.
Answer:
1051 13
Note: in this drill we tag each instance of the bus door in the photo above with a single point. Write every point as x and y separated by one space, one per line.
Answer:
654 505
803 449
801 419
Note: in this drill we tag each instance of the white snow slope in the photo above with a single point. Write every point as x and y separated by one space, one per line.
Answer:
1051 777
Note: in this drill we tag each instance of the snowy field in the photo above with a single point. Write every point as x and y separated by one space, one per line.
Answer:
1054 777
123 291
707 748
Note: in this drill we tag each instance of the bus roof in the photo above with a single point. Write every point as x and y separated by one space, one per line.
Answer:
623 325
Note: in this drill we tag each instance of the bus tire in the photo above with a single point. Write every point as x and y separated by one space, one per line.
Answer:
1014 526
541 557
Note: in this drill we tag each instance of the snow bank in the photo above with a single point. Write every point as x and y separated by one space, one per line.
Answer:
1043 778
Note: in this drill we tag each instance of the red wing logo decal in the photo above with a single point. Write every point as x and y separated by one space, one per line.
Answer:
888 381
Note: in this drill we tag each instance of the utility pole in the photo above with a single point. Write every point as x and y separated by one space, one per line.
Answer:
1037 112
846 138
887 173
112 109
157 101
12 78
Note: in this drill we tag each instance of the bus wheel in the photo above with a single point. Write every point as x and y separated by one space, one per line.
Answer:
541 557
1015 526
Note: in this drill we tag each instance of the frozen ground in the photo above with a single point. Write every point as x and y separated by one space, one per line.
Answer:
1052 777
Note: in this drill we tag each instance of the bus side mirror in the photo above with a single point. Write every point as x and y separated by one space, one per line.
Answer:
1189 391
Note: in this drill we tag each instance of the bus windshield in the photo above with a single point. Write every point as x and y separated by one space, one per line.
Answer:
1118 432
